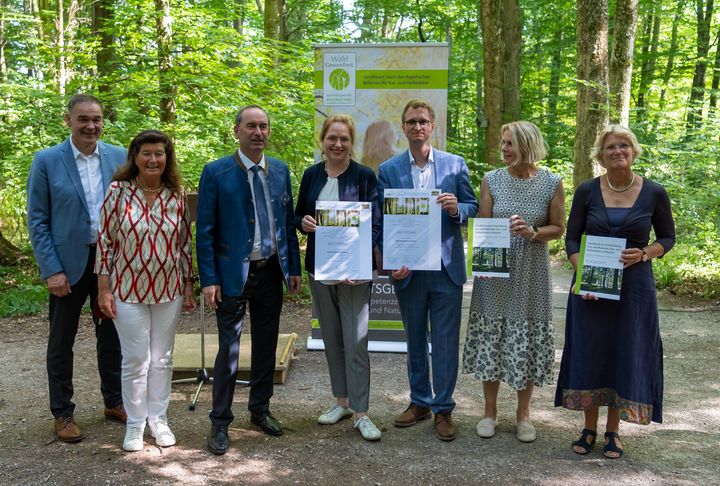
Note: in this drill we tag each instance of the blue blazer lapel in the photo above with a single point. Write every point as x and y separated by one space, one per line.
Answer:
442 169
404 174
71 167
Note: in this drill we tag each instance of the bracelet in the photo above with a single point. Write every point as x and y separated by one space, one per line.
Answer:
535 231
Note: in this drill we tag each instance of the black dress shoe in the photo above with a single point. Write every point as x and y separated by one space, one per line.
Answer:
267 423
219 442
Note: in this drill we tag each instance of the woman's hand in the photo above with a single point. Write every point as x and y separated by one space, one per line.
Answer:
189 303
106 303
519 227
631 256
584 296
308 224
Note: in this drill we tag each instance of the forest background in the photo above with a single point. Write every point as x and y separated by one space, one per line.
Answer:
186 66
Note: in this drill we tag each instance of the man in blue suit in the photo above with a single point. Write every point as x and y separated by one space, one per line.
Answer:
246 248
433 294
65 191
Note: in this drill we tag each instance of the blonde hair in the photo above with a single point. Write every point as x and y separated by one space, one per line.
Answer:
527 140
415 104
618 131
379 143
341 118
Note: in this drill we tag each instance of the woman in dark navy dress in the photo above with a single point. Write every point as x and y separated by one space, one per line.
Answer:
613 352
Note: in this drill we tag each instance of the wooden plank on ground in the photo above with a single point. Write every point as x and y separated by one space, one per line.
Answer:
186 356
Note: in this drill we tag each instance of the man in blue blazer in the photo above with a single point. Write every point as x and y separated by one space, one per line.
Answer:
245 251
433 294
65 191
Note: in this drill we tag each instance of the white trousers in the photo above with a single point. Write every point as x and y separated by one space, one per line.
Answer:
147 337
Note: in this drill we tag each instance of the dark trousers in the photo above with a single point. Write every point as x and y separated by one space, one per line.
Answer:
264 295
64 320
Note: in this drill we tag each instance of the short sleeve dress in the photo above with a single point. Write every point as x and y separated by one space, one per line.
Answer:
613 352
509 335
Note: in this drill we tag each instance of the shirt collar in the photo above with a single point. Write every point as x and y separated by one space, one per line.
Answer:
77 152
249 164
431 158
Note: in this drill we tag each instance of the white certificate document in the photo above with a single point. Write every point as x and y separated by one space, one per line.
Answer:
343 240
411 229
488 245
599 269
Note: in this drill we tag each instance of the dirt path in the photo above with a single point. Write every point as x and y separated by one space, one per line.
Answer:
685 449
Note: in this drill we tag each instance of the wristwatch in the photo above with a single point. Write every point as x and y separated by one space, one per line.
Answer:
645 255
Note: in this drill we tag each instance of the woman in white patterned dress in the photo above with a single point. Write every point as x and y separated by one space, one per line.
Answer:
509 335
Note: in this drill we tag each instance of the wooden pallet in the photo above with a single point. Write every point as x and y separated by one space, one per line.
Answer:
186 357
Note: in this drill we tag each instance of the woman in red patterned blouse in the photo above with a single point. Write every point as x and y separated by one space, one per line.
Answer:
144 267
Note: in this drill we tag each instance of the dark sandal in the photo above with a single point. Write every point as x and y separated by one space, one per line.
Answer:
582 442
612 446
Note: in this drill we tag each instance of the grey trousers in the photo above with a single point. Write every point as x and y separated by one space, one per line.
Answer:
343 311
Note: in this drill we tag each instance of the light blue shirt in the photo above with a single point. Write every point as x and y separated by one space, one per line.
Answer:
92 182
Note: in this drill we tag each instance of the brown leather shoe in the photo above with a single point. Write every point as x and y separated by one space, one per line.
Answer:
444 428
412 415
67 430
116 413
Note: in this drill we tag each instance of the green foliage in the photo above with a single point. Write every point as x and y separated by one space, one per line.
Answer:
21 290
221 61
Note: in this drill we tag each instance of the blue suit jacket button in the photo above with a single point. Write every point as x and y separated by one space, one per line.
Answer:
251 221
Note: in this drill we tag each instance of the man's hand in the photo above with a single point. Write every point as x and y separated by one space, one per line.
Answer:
295 284
58 284
448 202
106 303
212 296
400 273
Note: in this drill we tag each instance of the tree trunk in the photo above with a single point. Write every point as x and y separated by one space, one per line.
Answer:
511 59
9 254
60 44
493 81
591 112
554 83
3 43
106 58
480 117
240 14
697 94
716 76
647 72
273 19
164 52
621 63
670 62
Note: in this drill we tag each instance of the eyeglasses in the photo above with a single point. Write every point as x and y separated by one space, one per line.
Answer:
422 123
611 148
334 139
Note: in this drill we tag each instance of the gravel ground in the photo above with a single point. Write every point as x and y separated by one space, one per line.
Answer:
682 450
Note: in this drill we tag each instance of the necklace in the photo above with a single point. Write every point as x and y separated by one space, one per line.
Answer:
145 188
620 189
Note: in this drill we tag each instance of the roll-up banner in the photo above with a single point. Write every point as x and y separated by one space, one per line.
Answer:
373 83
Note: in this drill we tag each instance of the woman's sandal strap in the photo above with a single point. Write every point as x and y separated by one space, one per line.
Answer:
583 443
612 446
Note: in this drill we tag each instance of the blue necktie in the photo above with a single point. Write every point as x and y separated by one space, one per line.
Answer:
262 214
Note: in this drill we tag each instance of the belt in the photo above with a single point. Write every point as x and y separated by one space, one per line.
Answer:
262 263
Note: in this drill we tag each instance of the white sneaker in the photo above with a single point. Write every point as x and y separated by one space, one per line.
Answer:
160 430
526 431
133 438
334 414
486 428
367 429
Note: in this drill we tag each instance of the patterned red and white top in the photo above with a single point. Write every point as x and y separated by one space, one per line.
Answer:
147 251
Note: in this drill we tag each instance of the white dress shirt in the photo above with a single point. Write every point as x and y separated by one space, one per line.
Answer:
423 178
257 242
91 178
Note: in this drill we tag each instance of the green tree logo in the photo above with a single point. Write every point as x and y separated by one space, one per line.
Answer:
339 79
